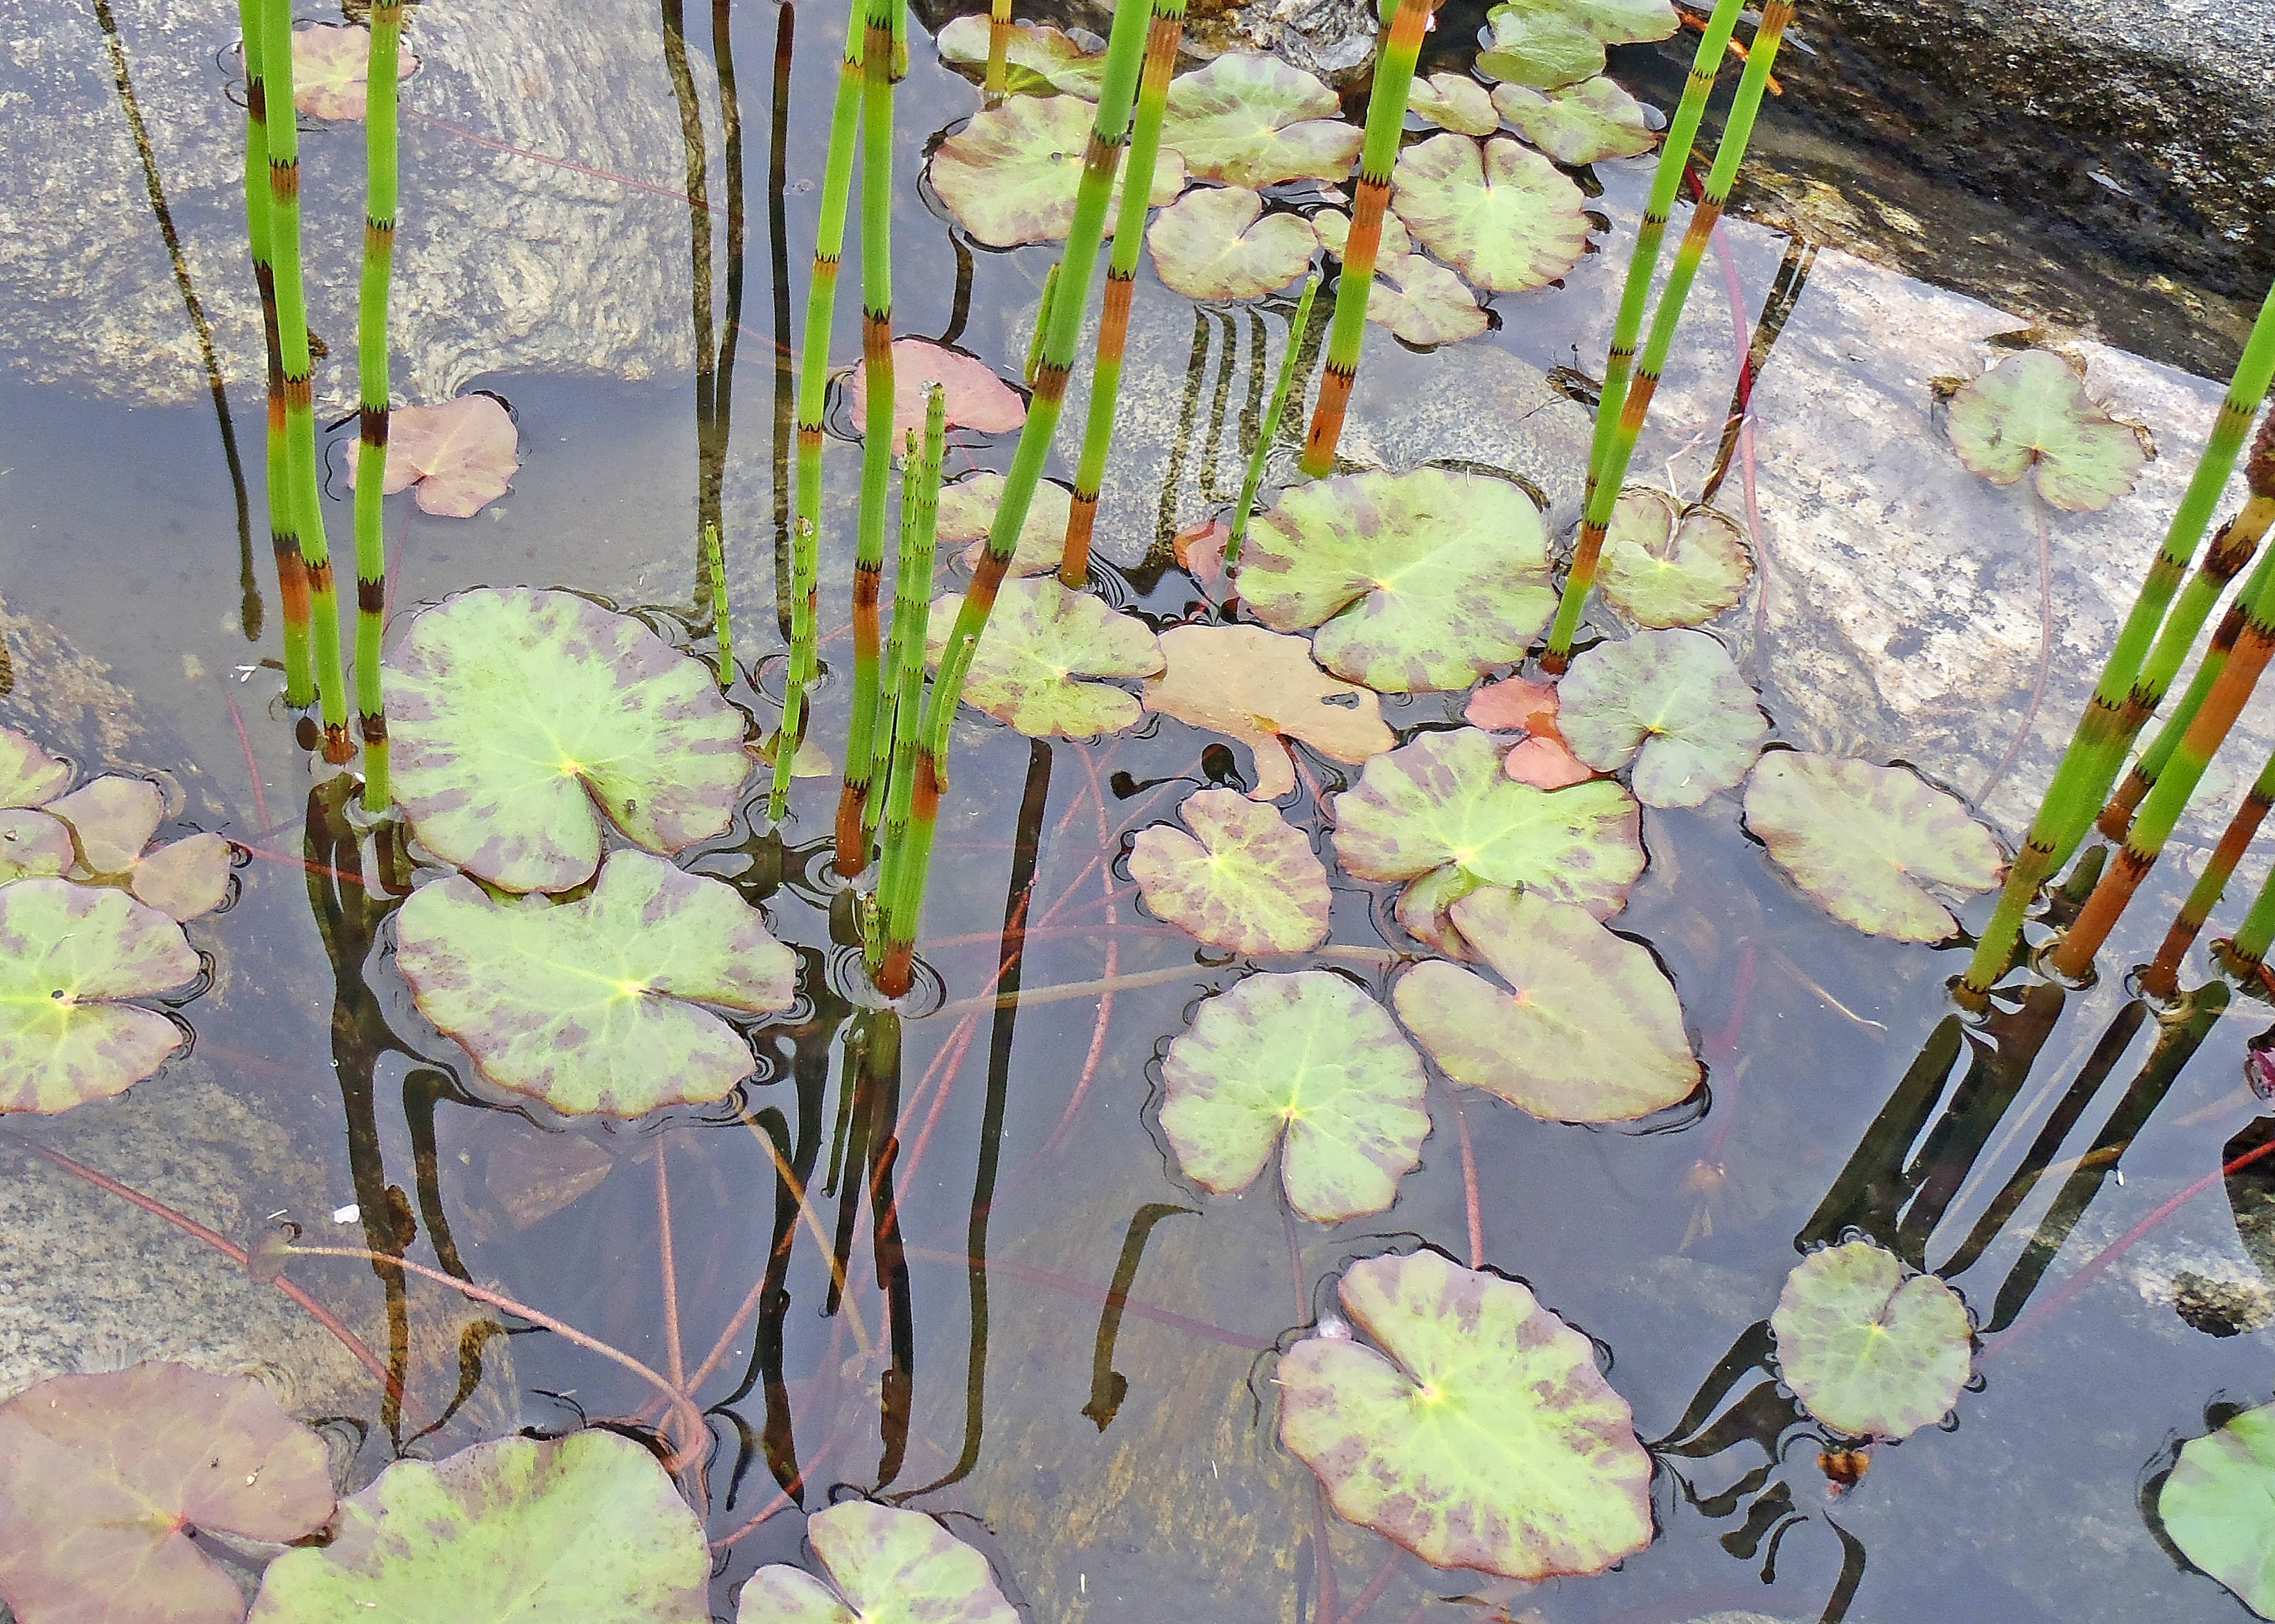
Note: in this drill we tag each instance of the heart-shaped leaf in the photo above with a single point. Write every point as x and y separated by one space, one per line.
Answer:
1453 101
1419 582
1502 215
2031 411
1309 1053
1261 687
1052 58
1219 243
1659 569
33 843
29 777
461 455
592 1005
2213 1504
68 953
1040 663
1424 303
331 70
1547 43
519 717
585 1528
1872 1352
1671 701
1010 175
967 509
105 1478
885 1566
1579 123
1244 879
1590 1030
1252 120
976 397
1487 1437
1867 841
113 818
1513 705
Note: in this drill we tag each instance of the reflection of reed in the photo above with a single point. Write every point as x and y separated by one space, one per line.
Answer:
778 265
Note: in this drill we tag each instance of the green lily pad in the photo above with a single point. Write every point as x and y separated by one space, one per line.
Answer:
1502 216
1871 1352
1425 908
2213 1504
1453 101
1548 44
1314 1055
886 1566
1220 243
33 843
2031 411
582 1529
1424 303
105 1478
1041 58
592 1005
1443 802
1589 1033
1662 569
1487 1438
1040 663
68 954
1333 228
1672 703
1244 879
29 777
967 509
1419 582
1261 688
1866 841
1252 120
1010 175
1579 123
519 718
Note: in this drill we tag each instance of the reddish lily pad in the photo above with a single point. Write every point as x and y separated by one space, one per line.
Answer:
1502 215
1244 879
1261 688
1453 101
2030 414
29 777
113 818
1873 1351
1041 59
885 1566
967 509
68 954
976 397
1660 568
1672 703
1579 123
1219 243
1010 175
1252 120
461 455
331 70
1541 757
1045 661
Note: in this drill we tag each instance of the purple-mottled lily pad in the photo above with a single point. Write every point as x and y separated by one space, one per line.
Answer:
975 397
1419 582
1314 1056
1453 101
1502 215
2213 1504
331 70
1579 123
461 455
1261 688
1044 661
1866 842
112 819
967 509
1662 568
885 1566
1547 44
1485 1438
1041 59
1252 120
1010 175
1672 703
29 777
1219 243
68 954
105 1478
1422 302
519 717
593 1005
585 1528
1588 1030
33 843
2030 413
1244 879
1873 1351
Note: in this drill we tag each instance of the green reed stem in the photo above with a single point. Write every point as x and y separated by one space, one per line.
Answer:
1042 326
372 373
2161 978
912 611
2247 950
888 675
1607 475
722 623
1161 40
1270 430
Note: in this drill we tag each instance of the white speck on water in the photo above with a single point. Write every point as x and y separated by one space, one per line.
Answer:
347 1214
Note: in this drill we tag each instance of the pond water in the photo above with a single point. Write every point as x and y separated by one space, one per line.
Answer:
1058 1343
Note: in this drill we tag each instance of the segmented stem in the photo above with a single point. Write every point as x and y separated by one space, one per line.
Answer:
999 52
2247 951
372 372
911 608
1270 428
2161 978
722 623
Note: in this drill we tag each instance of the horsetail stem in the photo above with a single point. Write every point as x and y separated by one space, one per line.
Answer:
911 612
1161 42
372 374
1607 475
722 623
2246 952
2161 978
1125 47
1269 429
999 52
1385 121
888 668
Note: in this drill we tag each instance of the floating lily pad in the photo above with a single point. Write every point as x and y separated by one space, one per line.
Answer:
976 397
1220 243
1867 841
1260 687
104 1479
112 819
2214 1502
461 456
1662 569
1502 215
886 1566
1314 1055
967 509
1424 303
1513 705
1547 44
68 953
1040 663
592 1005
1871 1352
585 1528
1252 120
331 70
1443 802
2031 411
1425 908
29 777
1010 175
519 718
1332 227
1041 59
1579 123
33 843
1588 1032
1672 703
1487 1438
1453 101
1244 879
1419 582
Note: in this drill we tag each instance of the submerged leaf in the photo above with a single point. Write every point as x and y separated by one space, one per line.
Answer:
1419 582
67 954
1871 1352
886 1566
592 1005
461 455
2213 1504
331 70
1314 1055
976 397
1585 123
1659 571
1010 175
1219 243
1245 879
1056 58
29 777
2031 411
1037 664
967 509
1487 1437
1260 687
1502 215
1453 101
1866 841
1252 120
1424 303
1671 701
518 717
33 843
105 1478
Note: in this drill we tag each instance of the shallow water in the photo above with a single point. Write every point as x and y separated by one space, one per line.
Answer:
1025 1133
